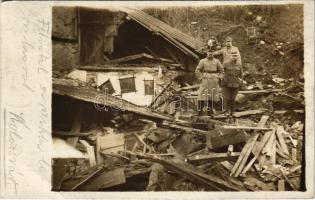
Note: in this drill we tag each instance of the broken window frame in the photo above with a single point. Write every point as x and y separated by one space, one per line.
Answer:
109 90
145 88
123 91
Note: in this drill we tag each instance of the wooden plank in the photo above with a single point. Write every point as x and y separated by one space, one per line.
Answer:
188 88
69 134
246 128
139 56
191 173
257 184
140 140
281 112
263 121
294 153
261 144
227 165
273 157
287 179
260 91
293 141
245 158
244 155
114 68
90 152
281 186
207 119
283 145
268 147
76 126
239 165
87 178
262 160
241 114
99 158
186 129
211 156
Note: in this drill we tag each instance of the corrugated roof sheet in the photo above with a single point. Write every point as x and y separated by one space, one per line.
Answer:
174 36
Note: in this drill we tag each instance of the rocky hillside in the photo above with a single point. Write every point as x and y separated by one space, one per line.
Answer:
278 50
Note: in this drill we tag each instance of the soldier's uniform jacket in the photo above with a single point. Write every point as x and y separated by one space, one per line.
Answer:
232 75
228 53
208 71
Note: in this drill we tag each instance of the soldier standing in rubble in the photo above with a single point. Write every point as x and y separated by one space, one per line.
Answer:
233 73
208 70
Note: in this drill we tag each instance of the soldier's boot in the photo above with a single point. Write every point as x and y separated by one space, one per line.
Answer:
200 107
232 102
209 108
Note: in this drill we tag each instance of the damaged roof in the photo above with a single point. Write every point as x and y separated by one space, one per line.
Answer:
92 96
183 41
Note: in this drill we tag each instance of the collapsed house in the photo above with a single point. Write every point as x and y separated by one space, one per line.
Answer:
117 125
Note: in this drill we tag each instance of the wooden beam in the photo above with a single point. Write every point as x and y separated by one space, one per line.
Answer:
96 97
245 128
193 174
211 157
99 158
241 114
139 56
281 186
281 112
70 134
76 126
90 152
186 129
282 143
188 88
114 68
287 179
89 177
227 165
172 55
161 93
260 91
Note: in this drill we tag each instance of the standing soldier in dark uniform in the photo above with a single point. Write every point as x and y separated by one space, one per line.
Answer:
233 73
231 82
208 70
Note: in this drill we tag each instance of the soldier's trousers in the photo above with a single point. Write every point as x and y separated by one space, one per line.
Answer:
229 95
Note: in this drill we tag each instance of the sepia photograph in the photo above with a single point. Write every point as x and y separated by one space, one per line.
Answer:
178 98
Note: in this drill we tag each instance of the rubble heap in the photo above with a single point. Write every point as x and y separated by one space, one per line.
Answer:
142 149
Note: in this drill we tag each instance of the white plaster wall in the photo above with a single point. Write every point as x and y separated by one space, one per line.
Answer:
61 149
138 97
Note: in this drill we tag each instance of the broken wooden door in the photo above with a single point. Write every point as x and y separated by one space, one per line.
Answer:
92 27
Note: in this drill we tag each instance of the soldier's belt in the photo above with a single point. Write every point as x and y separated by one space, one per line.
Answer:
210 72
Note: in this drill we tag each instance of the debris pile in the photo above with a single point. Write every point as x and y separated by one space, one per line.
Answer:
141 149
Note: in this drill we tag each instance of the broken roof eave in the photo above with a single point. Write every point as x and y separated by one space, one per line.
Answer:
175 37
88 95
